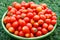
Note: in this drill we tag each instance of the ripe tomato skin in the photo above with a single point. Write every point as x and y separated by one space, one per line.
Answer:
53 22
33 6
34 30
15 24
13 4
22 22
30 15
53 14
12 19
44 31
41 13
36 25
32 21
21 33
48 21
48 16
19 28
18 13
36 17
23 3
17 6
30 10
39 9
9 8
54 18
27 5
16 32
6 19
8 25
11 29
40 22
27 35
50 27
45 25
18 17
31 35
43 17
23 15
26 19
39 33
25 29
24 11
13 10
49 11
39 28
29 25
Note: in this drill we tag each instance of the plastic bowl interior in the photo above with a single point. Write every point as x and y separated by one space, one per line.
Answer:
18 37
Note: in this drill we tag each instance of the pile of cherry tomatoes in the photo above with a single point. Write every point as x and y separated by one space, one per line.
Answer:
29 19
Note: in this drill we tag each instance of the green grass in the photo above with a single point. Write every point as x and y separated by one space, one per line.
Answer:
52 4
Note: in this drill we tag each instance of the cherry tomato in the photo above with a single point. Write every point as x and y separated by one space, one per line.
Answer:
9 13
18 13
44 30
33 6
29 25
53 14
39 9
45 25
21 33
18 17
17 6
16 32
36 25
32 21
27 5
30 15
15 24
53 22
8 25
19 28
29 10
27 35
11 29
39 28
23 15
39 33
24 11
40 13
26 19
22 22
23 3
48 21
50 27
40 22
14 3
9 8
12 19
25 29
43 17
36 17
34 30
54 18
31 35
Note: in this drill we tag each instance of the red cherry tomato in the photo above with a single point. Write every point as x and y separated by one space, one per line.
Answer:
11 29
15 24
54 18
36 25
36 17
30 15
19 28
39 28
14 3
9 8
27 35
29 25
16 32
48 21
29 10
8 25
18 13
45 25
21 33
12 19
50 27
53 14
33 6
23 15
43 17
44 31
18 17
39 33
22 22
53 22
32 21
26 19
40 22
31 35
27 5
34 30
25 29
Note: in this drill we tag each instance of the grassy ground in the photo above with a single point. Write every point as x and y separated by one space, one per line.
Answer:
52 4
